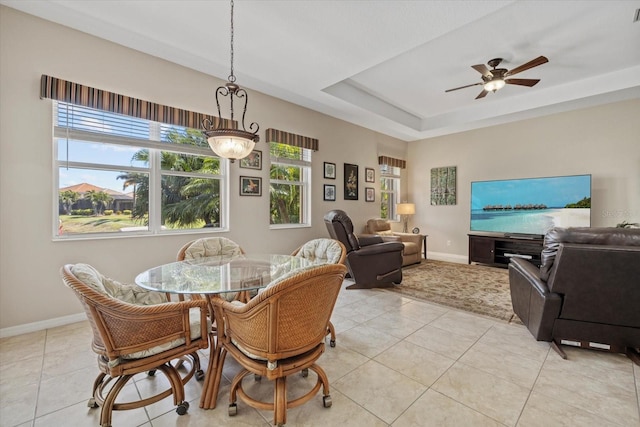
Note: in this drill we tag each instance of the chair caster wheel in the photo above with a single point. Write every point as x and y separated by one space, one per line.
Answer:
92 403
332 343
326 401
304 372
257 377
182 408
151 373
233 410
199 375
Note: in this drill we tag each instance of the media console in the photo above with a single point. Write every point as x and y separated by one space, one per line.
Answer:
498 250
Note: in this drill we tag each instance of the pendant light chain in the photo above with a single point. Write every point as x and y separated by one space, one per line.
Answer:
232 78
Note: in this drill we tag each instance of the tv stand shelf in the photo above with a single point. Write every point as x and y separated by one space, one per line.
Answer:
497 251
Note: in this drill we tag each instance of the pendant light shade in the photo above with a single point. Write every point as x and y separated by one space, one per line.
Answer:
231 143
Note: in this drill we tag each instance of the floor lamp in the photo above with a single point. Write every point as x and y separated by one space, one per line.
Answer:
405 210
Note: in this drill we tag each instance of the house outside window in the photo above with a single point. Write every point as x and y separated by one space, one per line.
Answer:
121 175
389 191
289 185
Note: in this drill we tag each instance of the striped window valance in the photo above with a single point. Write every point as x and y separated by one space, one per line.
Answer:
74 93
390 161
275 135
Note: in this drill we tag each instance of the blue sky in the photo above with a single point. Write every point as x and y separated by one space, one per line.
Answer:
106 154
552 191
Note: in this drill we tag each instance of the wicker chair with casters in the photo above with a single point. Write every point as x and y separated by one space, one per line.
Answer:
281 332
134 331
324 251
211 246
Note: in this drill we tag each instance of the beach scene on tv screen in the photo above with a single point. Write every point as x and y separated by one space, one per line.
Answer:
532 205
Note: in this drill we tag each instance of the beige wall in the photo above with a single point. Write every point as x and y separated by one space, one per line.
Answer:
602 141
30 287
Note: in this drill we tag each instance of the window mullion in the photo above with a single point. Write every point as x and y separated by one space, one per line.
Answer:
155 191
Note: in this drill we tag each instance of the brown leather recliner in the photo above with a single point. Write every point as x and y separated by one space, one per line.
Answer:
586 291
371 262
412 253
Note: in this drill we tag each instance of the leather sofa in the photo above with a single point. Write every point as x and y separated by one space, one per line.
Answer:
585 293
412 243
371 262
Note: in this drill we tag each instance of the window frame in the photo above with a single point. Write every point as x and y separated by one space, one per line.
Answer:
155 147
390 173
306 166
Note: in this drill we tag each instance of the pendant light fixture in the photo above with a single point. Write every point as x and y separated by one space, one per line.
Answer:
231 143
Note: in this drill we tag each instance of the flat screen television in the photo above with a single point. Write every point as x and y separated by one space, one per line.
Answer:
529 207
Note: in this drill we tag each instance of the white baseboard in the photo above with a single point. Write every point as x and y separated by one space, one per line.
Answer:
44 324
443 256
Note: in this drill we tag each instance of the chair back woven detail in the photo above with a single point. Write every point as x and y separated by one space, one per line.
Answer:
209 246
288 318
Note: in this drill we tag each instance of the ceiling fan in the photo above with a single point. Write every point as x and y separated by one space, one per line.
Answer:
496 78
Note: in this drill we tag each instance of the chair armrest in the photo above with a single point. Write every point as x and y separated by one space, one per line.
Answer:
535 305
410 237
369 239
379 248
147 326
530 273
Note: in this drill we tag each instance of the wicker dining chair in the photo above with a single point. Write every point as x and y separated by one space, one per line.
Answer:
281 332
324 251
212 246
134 331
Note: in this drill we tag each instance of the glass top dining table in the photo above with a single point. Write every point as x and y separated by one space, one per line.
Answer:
213 277
219 274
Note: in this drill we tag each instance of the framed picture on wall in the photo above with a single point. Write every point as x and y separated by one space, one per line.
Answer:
350 181
369 175
369 194
252 161
250 186
329 170
330 192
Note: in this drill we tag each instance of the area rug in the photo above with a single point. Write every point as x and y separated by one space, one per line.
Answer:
475 288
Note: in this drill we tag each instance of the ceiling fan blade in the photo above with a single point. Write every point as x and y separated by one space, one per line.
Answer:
522 82
482 69
482 94
462 87
533 63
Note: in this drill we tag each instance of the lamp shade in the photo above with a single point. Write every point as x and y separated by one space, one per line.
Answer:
406 208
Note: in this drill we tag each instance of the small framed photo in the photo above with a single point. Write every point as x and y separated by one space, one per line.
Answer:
329 170
369 194
369 175
250 186
330 192
252 161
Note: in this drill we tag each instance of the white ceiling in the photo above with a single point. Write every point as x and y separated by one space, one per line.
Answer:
385 65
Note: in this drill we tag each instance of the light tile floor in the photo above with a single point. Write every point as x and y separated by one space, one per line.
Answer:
398 362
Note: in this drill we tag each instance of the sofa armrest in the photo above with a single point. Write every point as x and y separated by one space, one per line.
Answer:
409 237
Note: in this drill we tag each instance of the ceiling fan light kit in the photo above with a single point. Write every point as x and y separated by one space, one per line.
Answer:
496 78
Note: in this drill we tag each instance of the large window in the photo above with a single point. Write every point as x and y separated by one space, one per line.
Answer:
389 191
289 185
118 174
